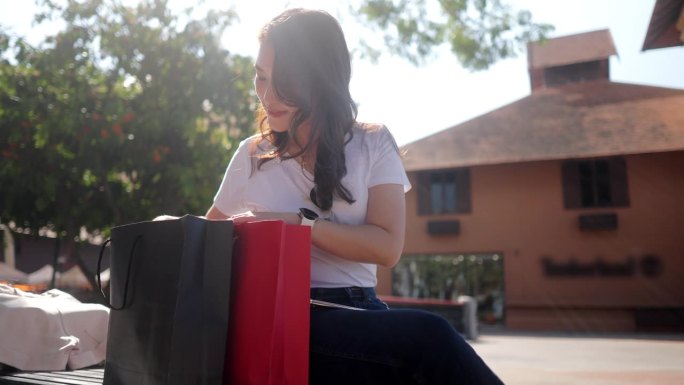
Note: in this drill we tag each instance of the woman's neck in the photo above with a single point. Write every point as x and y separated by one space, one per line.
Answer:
303 148
305 157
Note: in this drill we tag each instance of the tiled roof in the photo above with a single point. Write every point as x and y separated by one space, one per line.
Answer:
580 120
666 26
579 48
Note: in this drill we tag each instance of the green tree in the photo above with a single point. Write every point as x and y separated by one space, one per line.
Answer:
124 114
132 111
478 32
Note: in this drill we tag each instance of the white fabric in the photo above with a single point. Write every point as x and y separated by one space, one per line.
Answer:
8 273
42 275
372 159
50 331
74 278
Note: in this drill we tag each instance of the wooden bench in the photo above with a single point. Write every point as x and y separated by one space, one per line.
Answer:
67 377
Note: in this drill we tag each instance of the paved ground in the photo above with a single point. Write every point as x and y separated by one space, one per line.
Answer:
554 359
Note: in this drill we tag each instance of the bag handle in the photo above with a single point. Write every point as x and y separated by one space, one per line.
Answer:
128 274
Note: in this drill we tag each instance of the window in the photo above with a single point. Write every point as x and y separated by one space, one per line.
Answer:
574 73
444 192
595 183
448 276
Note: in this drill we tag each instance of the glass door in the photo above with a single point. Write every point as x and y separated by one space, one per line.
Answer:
448 276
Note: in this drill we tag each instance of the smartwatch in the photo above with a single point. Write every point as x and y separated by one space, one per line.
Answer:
308 217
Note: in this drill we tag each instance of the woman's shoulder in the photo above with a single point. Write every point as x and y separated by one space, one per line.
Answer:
256 145
369 128
374 134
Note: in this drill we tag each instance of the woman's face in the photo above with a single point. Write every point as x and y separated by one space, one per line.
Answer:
278 113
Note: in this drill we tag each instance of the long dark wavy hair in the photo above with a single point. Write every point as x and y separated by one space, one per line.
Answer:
312 70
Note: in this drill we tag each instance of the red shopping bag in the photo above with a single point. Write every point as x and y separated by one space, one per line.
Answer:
268 332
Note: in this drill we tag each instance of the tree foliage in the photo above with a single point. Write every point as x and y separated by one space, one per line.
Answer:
126 113
478 32
132 111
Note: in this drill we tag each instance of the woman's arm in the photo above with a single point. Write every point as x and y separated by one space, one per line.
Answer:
380 240
248 216
215 213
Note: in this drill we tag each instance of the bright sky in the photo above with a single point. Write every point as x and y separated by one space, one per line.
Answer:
418 101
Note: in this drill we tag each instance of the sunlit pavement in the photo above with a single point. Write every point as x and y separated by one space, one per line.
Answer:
531 359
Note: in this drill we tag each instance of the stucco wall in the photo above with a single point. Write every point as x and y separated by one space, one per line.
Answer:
517 210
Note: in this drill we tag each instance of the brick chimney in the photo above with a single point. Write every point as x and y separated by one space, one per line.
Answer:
570 59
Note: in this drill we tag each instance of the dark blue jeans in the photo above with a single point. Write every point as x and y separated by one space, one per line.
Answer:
382 346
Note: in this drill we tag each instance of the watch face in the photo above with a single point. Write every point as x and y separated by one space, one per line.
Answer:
308 214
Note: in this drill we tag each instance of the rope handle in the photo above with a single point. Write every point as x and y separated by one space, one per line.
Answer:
128 274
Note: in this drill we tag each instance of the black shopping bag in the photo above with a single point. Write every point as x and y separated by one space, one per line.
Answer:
169 294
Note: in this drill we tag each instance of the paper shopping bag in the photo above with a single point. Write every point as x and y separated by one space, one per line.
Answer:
169 285
268 341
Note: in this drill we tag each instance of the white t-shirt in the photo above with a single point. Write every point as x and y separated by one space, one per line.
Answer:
372 159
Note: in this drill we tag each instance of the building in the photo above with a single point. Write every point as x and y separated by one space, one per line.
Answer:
666 27
560 211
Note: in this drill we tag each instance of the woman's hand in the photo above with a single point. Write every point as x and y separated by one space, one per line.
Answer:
165 218
249 216
291 218
380 240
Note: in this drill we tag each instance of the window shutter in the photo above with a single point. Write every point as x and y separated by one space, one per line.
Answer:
423 191
618 181
463 190
571 185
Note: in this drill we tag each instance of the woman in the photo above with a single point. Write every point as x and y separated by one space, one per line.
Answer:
313 164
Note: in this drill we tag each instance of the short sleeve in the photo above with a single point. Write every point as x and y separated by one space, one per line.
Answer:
230 196
386 166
